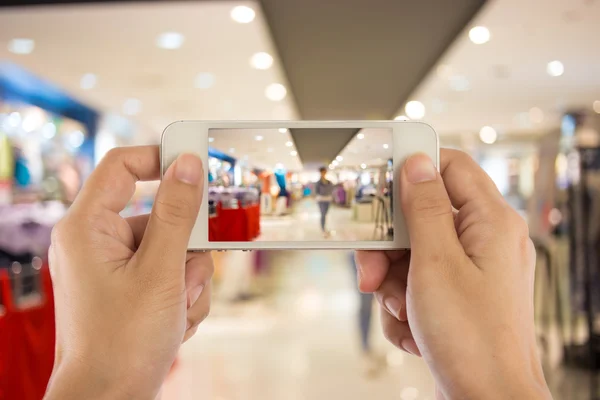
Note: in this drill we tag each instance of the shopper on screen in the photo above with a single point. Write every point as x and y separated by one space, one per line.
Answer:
127 293
324 197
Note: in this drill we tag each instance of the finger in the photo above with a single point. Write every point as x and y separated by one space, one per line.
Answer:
138 225
199 269
371 267
199 309
391 295
112 183
174 213
465 180
427 210
399 334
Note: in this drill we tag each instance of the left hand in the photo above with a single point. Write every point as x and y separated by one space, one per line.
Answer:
127 293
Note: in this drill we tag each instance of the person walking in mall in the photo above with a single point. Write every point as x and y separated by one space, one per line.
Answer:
324 197
462 297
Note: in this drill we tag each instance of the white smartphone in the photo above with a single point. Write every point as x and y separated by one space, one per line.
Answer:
299 184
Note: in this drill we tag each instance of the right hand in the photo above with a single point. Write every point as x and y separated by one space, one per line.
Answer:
463 296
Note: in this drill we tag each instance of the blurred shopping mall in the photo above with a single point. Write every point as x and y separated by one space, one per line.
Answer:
514 83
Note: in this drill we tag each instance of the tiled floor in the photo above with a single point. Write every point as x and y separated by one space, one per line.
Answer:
300 342
303 223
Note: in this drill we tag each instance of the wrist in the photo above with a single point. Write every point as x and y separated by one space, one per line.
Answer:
79 380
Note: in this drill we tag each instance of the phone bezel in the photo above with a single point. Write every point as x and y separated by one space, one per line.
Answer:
409 137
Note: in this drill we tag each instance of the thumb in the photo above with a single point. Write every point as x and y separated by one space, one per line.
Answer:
427 209
174 214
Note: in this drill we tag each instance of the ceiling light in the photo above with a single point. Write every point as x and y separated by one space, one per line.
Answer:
479 35
488 135
170 40
204 80
386 146
360 136
261 60
88 81
415 109
339 158
132 106
211 139
76 139
283 130
258 138
289 144
401 118
331 166
270 150
275 92
363 166
243 14
49 130
597 106
21 46
536 115
232 150
294 153
555 68
334 162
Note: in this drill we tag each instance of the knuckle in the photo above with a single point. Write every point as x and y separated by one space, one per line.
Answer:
173 211
113 154
430 205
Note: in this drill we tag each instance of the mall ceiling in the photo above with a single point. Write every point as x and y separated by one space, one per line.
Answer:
353 59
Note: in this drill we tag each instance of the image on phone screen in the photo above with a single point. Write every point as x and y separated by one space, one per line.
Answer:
321 184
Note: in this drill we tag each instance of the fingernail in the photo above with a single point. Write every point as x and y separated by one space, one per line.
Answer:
393 305
411 346
187 169
420 168
195 293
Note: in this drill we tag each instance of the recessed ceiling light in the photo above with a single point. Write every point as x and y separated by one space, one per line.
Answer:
283 130
49 130
401 118
334 162
204 80
76 139
261 60
211 139
536 115
270 150
479 35
488 135
596 106
170 40
242 14
339 158
363 166
275 92
21 46
232 150
555 68
132 106
415 109
360 136
293 153
331 166
258 138
289 144
386 146
88 81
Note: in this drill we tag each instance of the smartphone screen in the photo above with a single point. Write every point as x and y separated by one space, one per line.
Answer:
308 184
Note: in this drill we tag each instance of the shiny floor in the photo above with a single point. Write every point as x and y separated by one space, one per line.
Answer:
303 223
299 340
